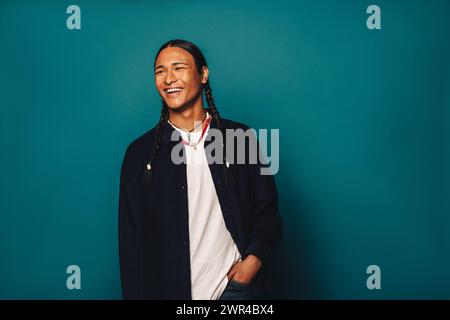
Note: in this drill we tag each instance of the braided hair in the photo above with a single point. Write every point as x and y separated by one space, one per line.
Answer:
200 62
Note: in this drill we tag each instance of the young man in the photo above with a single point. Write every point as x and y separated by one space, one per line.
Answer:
192 230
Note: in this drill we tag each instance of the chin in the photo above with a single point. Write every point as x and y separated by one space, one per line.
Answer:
174 106
177 106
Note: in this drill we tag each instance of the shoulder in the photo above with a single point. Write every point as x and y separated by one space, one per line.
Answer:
138 151
141 142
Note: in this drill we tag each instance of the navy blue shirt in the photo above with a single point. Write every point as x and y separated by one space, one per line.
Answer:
154 224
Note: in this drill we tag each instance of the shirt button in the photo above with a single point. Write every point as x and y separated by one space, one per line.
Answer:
182 187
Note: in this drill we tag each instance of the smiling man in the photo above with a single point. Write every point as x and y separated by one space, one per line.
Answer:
194 230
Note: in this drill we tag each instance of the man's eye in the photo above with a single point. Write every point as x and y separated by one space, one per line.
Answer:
178 68
158 72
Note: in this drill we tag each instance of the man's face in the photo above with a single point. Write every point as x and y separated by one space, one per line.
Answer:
177 79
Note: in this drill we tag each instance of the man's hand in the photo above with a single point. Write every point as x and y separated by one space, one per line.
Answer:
244 271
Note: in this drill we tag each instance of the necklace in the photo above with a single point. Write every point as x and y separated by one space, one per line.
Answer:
189 131
194 145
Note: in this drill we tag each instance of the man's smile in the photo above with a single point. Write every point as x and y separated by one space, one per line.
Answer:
173 92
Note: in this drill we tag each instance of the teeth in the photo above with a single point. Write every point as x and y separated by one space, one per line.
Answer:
173 90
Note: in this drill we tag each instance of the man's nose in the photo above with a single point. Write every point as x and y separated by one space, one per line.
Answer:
170 77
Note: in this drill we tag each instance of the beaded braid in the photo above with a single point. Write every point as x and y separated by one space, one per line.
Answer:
216 117
148 170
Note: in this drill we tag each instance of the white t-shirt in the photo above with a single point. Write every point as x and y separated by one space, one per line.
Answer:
212 249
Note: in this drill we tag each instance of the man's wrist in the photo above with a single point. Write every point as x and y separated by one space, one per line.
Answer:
254 260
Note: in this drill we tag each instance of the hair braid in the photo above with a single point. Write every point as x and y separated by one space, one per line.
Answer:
148 169
216 117
212 106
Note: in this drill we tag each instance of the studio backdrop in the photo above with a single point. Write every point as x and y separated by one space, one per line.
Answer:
360 93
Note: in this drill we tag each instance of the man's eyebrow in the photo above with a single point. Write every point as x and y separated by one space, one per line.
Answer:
173 63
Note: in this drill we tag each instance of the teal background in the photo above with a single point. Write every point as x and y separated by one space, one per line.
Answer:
364 135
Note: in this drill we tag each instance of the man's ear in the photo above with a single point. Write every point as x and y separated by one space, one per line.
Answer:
205 74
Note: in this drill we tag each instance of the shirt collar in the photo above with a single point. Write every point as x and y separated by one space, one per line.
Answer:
167 129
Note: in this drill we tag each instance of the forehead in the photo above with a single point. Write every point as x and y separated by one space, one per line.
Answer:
174 54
